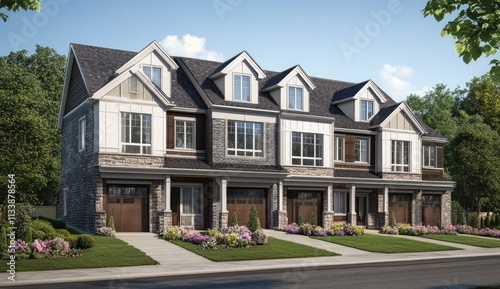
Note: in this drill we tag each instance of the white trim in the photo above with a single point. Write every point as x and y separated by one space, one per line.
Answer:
435 157
393 155
242 75
296 71
225 107
344 192
367 149
185 120
403 106
335 146
130 80
369 85
140 144
151 66
82 133
295 87
254 141
243 56
313 158
153 46
355 131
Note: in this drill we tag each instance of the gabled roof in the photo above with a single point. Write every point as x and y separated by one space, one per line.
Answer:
279 80
152 47
227 66
352 92
386 114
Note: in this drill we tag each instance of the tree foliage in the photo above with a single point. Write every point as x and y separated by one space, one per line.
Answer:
475 29
30 91
15 5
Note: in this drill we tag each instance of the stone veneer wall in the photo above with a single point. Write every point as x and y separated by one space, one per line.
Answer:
416 218
446 208
272 207
381 217
401 176
309 171
215 207
129 160
78 175
155 205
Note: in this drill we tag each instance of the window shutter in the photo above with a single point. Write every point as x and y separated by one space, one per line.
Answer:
439 156
200 133
170 132
349 148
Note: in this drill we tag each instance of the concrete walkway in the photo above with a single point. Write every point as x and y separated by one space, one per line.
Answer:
175 261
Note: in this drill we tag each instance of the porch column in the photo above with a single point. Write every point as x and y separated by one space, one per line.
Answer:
352 206
386 205
165 217
329 199
280 196
168 183
224 218
328 209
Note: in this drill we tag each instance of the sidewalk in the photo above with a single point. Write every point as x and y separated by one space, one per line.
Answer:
175 261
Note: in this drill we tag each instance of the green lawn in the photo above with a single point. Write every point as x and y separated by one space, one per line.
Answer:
385 244
484 242
107 252
275 249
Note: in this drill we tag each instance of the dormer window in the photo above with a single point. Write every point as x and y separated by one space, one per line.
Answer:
241 84
295 98
366 110
153 73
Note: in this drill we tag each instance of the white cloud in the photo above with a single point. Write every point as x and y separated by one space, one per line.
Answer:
396 81
189 46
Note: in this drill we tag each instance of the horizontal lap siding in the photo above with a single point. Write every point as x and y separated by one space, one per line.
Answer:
77 92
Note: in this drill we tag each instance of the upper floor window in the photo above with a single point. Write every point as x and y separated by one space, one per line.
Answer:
241 86
136 133
339 149
133 85
366 109
429 156
295 98
244 139
400 160
184 134
361 150
307 149
81 134
154 73
340 202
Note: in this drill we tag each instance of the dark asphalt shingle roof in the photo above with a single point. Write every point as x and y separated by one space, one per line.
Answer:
185 163
277 78
359 174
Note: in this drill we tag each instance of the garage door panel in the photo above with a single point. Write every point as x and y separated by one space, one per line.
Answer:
129 208
400 206
240 201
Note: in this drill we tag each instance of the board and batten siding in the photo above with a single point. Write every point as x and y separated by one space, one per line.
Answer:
290 125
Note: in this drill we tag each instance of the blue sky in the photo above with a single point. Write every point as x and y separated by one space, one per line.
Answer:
387 41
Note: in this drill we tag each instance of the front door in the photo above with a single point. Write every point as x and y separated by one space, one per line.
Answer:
361 210
191 207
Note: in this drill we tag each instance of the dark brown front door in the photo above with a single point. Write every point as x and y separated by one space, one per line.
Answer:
241 200
361 210
129 207
300 203
400 205
431 210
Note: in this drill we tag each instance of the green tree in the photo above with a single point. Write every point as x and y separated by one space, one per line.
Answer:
234 220
475 27
253 220
299 220
30 91
15 5
312 220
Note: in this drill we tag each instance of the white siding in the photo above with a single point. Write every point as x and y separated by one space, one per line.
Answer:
387 136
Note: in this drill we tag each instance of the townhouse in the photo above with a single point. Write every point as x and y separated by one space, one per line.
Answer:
155 140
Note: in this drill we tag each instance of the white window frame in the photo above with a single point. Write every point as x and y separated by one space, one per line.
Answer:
293 106
367 150
337 140
141 144
254 152
193 191
428 162
133 83
315 159
241 87
185 120
151 77
366 116
336 194
405 168
82 127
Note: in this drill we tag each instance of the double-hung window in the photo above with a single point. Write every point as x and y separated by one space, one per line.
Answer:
339 149
192 201
429 156
241 87
154 73
244 139
399 160
136 133
295 98
361 150
366 111
307 149
340 202
81 134
184 134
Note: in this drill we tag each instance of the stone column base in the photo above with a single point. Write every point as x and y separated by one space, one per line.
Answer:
281 218
164 220
100 220
352 218
224 220
327 220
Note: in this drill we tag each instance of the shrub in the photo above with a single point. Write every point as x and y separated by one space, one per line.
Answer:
214 232
253 220
63 232
84 241
38 235
318 231
196 238
42 225
233 240
306 229
22 249
487 221
392 221
497 220
481 222
390 230
312 220
72 240
174 233
3 239
106 231
299 220
111 223
292 229
234 220
56 224
259 237
23 220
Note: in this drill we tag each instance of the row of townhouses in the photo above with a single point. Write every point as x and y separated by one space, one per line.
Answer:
155 140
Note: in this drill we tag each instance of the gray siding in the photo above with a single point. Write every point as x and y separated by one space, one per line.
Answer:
77 92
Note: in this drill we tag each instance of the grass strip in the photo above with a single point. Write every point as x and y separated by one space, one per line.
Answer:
275 249
483 242
385 244
106 252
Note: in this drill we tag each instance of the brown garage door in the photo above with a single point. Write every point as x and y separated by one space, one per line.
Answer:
129 208
304 204
431 210
400 205
241 200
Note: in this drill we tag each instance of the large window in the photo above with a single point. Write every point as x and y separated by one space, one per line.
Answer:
295 98
136 133
184 134
244 139
241 85
361 150
81 134
429 156
192 201
400 162
339 149
307 149
340 202
366 109
154 73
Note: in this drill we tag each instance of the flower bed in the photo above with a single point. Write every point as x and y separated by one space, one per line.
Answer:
407 229
231 237
335 230
55 248
106 231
